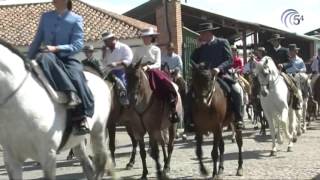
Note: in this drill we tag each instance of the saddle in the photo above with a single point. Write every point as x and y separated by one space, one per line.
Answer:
295 98
56 96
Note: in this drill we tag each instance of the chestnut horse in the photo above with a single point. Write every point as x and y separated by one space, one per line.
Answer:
211 111
152 117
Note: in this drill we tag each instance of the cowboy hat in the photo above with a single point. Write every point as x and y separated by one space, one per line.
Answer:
275 37
148 32
107 35
88 48
206 27
293 47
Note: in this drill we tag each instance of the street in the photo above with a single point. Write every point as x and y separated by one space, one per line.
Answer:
302 163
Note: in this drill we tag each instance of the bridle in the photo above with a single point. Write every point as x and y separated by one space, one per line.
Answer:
13 93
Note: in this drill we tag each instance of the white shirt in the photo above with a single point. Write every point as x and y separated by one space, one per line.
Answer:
315 64
121 52
149 53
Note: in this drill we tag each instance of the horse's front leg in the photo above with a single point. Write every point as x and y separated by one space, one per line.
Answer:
13 166
155 156
87 165
143 155
134 148
112 136
199 140
172 131
240 160
214 153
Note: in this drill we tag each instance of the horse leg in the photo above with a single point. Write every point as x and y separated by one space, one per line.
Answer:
240 160
87 166
155 156
304 115
70 155
172 131
101 157
299 116
143 155
221 150
48 164
13 166
291 127
199 139
134 149
112 136
270 121
215 153
233 135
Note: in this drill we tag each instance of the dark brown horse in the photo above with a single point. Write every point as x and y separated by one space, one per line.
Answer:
152 117
211 111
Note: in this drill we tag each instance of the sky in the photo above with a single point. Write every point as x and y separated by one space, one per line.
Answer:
267 12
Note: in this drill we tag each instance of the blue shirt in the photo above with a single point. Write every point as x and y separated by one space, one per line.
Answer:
174 61
295 65
64 31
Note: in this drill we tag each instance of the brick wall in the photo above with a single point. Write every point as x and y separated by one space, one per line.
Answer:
174 21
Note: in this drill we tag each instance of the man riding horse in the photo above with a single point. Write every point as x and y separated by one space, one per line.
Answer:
215 54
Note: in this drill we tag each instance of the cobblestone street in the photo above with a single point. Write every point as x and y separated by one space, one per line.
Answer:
302 163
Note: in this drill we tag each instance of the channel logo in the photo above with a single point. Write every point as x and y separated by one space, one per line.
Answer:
291 17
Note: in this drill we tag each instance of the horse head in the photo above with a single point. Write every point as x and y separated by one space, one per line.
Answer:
267 74
137 82
203 80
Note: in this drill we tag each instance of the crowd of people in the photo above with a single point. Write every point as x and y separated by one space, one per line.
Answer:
61 31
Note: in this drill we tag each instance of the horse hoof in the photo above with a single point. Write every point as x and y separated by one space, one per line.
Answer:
220 172
143 178
273 153
184 137
203 171
294 139
129 166
289 149
166 170
239 172
233 140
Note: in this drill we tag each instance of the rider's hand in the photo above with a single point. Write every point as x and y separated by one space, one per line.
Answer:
114 64
216 71
52 49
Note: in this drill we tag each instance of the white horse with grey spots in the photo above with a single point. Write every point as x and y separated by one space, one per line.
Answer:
32 124
274 101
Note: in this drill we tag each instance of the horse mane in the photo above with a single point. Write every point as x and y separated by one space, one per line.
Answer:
13 49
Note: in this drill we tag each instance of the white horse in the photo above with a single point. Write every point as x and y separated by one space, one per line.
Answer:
274 101
32 125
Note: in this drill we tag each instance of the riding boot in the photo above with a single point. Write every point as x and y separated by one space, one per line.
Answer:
174 117
237 105
79 122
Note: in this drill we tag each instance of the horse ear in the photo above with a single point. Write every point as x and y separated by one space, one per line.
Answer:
138 64
194 65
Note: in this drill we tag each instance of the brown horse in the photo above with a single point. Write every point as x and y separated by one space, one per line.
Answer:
211 111
152 117
118 115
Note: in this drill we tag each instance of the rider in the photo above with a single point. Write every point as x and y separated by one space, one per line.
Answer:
216 54
172 59
61 32
316 63
279 54
150 55
236 59
294 65
116 56
90 60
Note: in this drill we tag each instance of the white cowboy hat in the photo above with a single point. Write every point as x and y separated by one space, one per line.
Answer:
148 32
107 35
